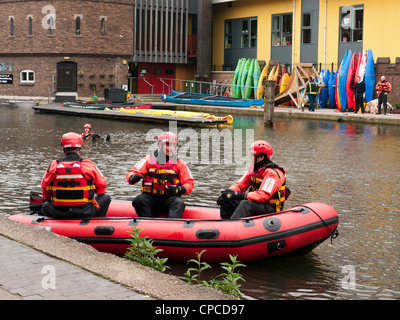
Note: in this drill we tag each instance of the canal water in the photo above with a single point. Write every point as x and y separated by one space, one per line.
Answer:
353 167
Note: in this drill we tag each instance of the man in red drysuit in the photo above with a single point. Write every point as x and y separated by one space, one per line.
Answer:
261 190
165 179
70 184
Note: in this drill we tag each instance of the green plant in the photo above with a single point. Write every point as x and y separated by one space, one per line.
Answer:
229 282
226 282
201 266
143 251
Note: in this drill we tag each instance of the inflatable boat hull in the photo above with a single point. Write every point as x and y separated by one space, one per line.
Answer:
294 231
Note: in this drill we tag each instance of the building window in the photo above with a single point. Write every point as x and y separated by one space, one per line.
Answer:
103 26
12 34
248 37
77 25
351 23
253 33
30 27
228 34
281 31
51 26
306 28
27 76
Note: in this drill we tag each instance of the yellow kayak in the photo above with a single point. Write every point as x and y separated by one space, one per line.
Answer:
173 113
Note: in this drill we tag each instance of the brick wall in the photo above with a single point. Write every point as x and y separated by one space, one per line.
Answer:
391 71
95 54
100 71
119 21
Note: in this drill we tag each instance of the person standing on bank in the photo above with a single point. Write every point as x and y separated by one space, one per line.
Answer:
261 190
70 183
383 87
312 93
359 89
165 179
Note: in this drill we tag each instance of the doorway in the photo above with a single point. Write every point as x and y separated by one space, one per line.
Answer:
150 74
66 76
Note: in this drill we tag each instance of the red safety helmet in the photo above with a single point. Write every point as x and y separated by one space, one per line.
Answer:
71 140
261 146
87 125
167 137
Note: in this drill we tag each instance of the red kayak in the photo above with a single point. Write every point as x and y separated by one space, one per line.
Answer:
295 231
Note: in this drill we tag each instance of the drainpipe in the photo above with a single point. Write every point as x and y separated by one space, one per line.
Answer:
325 35
293 21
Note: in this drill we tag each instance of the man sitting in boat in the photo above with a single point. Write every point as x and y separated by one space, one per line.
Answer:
165 179
70 184
261 190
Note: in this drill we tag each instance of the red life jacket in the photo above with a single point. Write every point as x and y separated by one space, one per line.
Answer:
70 188
88 135
383 86
159 176
278 198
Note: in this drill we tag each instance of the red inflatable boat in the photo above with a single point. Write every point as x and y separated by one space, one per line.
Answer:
294 231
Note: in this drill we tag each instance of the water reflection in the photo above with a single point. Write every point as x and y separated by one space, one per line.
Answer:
353 167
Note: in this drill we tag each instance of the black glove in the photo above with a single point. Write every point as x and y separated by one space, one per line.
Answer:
175 190
239 196
135 178
225 194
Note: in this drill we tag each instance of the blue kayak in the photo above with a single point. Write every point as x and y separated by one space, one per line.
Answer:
208 99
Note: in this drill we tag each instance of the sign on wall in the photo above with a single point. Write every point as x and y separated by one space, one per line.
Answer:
6 78
6 67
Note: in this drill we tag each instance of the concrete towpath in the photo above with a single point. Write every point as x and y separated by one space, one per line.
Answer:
36 264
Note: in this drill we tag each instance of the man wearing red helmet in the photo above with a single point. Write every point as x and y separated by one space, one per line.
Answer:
261 190
70 183
165 179
87 132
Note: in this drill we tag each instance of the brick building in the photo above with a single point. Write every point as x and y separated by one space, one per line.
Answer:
83 47
73 46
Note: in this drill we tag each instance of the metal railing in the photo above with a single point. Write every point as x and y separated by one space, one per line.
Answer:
194 86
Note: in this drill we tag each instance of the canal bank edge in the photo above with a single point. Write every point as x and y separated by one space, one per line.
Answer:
324 114
130 274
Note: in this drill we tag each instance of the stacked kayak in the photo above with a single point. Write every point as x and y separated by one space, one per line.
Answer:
352 66
295 231
246 78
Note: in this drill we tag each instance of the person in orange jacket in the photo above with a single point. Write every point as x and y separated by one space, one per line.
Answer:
165 179
383 87
261 190
70 184
87 132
